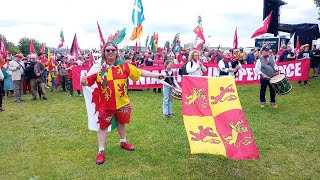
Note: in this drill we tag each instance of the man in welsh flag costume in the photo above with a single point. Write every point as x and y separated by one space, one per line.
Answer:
110 97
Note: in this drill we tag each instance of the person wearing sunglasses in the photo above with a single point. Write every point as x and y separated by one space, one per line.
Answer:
110 97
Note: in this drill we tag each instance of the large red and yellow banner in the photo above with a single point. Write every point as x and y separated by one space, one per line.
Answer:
214 119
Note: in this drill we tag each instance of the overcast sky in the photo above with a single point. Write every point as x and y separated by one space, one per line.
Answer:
43 20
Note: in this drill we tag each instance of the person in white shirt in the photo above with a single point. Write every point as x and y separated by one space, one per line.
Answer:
194 66
168 84
227 65
17 68
266 67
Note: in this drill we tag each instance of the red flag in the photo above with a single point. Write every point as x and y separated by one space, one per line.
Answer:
3 50
136 47
91 59
101 36
68 52
200 41
31 47
235 40
43 47
75 47
298 45
264 27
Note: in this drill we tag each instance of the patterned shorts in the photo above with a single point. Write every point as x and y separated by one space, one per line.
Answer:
122 115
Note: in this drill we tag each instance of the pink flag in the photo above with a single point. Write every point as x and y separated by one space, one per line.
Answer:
298 45
101 36
235 40
3 50
68 52
43 47
91 59
31 47
136 47
264 27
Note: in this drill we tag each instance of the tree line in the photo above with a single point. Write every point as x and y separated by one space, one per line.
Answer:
23 45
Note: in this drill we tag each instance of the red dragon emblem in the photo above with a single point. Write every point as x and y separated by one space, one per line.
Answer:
122 89
205 135
221 97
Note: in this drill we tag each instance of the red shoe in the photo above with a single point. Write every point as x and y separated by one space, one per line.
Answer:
127 146
100 158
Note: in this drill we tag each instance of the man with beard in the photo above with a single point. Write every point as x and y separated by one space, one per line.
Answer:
266 67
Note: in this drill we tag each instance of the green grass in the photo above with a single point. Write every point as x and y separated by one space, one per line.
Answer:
50 140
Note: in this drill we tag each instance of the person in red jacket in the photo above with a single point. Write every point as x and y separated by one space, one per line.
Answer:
69 68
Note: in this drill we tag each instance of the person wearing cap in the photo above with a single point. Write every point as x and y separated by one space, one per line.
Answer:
304 54
110 97
17 68
266 68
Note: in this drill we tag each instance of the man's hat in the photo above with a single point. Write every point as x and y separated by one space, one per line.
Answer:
19 55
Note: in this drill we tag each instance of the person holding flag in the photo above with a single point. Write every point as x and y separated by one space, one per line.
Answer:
110 97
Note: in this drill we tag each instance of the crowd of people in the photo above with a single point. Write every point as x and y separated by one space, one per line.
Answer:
35 72
30 74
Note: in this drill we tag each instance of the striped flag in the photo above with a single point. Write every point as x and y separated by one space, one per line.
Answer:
214 120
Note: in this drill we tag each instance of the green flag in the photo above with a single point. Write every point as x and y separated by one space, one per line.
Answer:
119 36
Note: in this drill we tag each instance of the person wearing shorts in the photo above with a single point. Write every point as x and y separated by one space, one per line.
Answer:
110 97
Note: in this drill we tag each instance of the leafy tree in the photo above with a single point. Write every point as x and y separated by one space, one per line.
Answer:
24 45
10 46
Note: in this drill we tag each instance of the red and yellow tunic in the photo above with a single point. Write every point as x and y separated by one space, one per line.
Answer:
111 93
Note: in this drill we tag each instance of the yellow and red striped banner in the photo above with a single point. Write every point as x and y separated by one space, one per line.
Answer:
214 120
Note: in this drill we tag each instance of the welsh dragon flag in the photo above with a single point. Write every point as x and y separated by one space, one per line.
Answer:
214 120
90 105
61 39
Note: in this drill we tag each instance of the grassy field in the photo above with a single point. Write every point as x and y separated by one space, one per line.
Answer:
50 140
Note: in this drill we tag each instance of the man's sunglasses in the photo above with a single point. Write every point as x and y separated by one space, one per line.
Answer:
108 50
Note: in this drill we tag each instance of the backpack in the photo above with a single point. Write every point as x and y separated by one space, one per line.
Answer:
183 69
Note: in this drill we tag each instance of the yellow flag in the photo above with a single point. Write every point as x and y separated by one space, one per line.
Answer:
137 32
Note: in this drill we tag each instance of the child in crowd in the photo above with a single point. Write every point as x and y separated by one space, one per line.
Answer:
168 83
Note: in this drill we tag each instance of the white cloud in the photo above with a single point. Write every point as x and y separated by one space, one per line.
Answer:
43 21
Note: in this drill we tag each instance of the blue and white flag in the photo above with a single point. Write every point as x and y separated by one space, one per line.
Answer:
137 13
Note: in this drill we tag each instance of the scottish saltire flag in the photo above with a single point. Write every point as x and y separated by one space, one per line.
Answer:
91 107
137 13
214 120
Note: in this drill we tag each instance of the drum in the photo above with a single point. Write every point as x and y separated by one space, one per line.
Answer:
176 93
281 84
